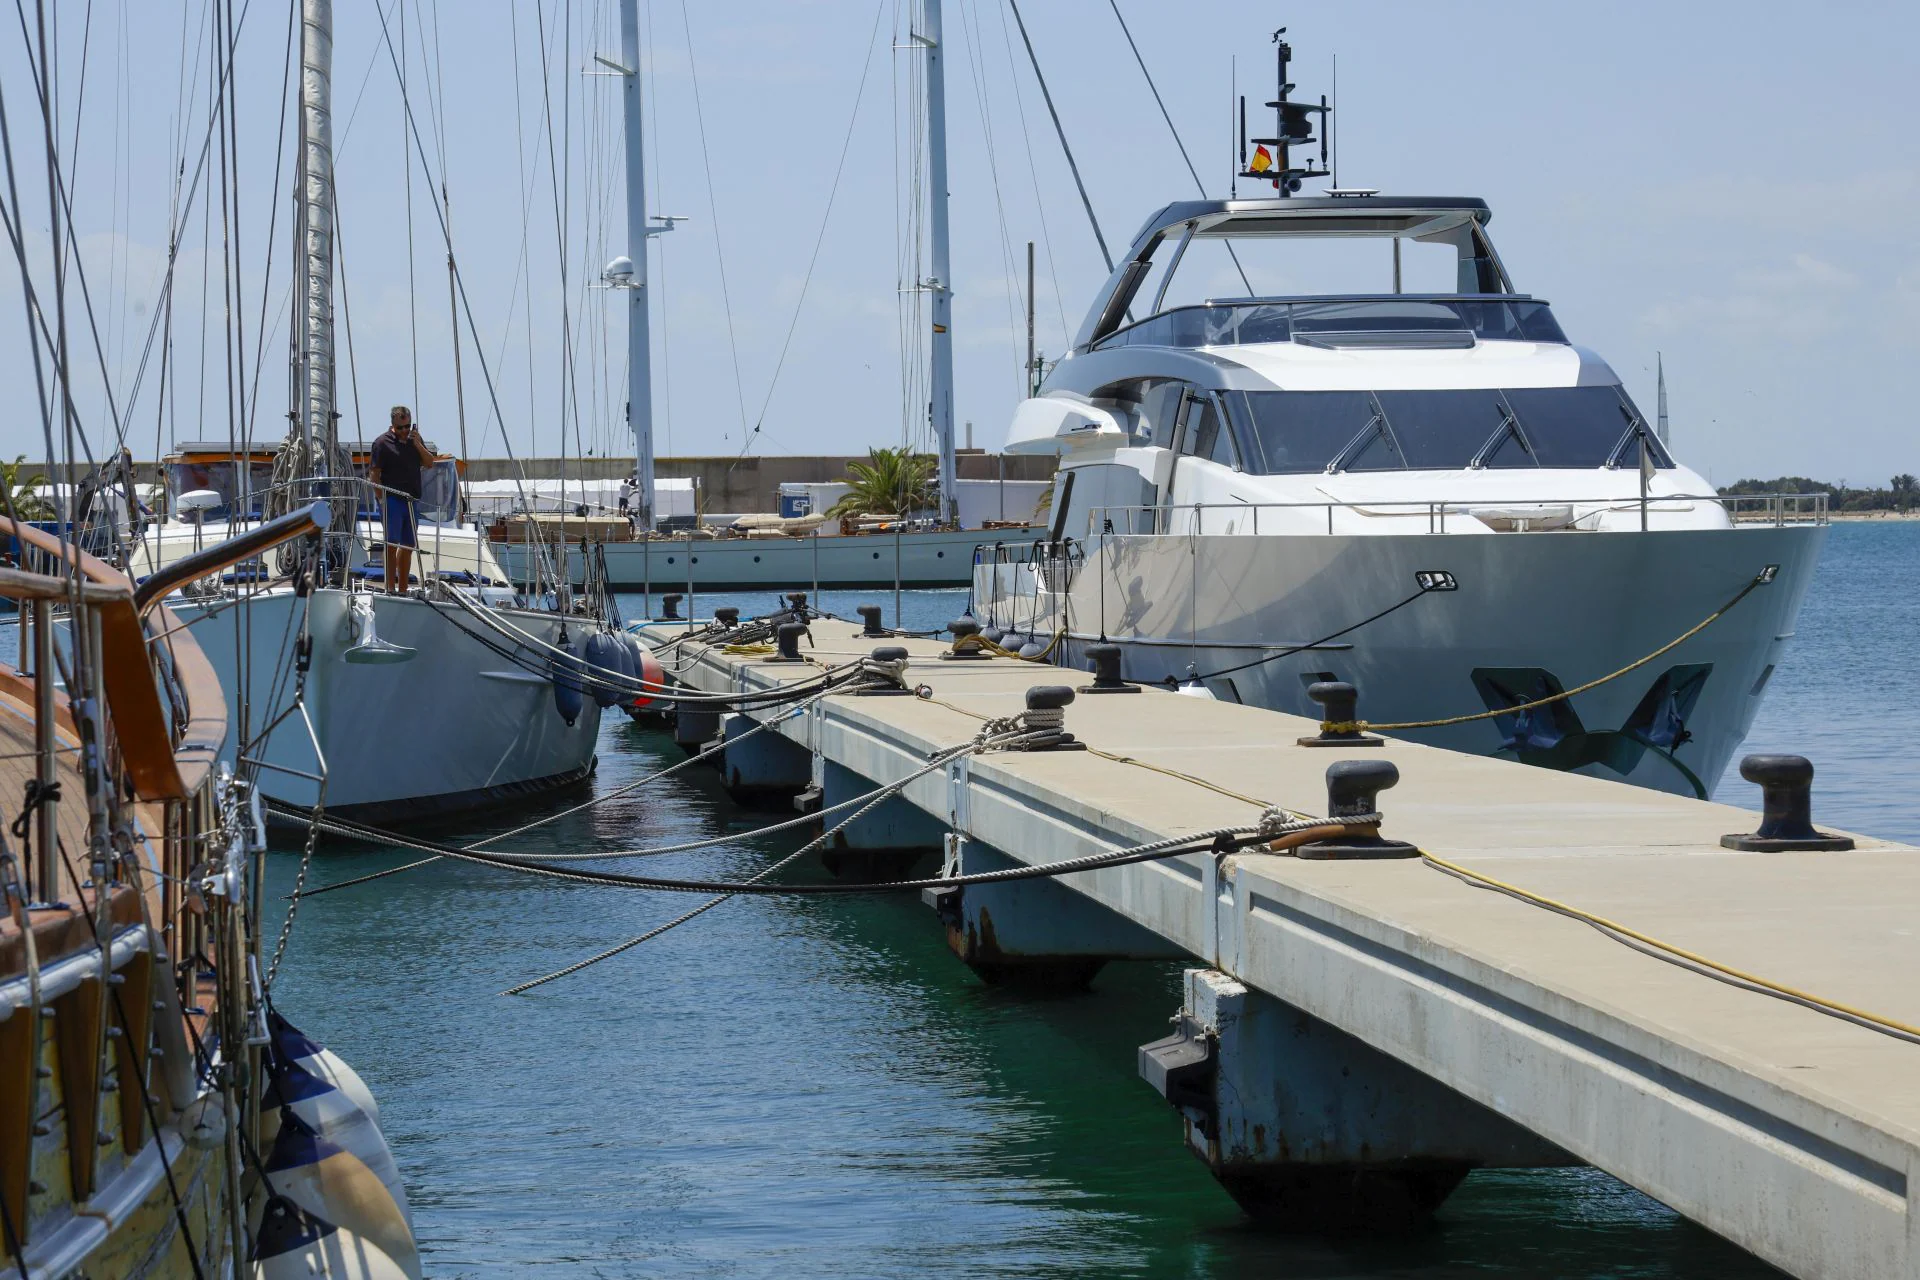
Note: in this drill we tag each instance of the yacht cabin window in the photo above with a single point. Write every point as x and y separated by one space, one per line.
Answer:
1294 432
1202 433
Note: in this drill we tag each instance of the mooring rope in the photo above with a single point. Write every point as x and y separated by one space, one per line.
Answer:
1760 579
359 831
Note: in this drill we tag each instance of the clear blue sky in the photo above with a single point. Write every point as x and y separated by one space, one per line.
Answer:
1730 184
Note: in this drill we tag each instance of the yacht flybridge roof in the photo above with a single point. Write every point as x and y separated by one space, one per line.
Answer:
1160 250
1410 216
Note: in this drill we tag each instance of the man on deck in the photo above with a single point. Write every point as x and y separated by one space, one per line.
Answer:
394 464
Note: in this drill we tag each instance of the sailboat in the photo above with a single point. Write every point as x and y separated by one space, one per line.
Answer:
159 1117
463 692
931 552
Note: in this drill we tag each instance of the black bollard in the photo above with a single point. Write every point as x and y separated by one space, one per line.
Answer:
788 638
1051 697
1340 703
727 616
670 606
888 653
1786 808
870 621
1353 791
960 628
1104 661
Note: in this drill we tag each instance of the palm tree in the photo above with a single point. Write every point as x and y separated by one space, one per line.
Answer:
16 494
890 480
1903 486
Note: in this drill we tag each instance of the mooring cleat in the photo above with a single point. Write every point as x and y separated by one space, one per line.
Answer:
1353 790
1786 808
1104 661
1338 720
961 628
788 639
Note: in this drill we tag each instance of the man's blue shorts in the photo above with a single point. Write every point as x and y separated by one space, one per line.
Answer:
399 513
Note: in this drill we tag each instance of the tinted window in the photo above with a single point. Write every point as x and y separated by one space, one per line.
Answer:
1201 435
1345 321
1160 410
1578 426
1283 432
1441 430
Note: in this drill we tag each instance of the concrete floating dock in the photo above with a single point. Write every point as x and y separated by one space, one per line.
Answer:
1358 1035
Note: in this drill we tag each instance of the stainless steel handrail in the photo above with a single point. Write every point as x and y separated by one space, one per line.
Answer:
244 546
1774 508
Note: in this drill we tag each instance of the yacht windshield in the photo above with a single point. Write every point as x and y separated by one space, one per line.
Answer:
1346 322
1290 432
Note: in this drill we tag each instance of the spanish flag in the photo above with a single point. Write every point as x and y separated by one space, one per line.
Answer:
1262 160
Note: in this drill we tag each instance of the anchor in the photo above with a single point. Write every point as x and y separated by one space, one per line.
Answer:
369 648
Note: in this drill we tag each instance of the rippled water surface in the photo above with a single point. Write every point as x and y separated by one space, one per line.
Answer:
818 1088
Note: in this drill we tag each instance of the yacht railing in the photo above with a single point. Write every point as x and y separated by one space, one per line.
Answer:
1520 514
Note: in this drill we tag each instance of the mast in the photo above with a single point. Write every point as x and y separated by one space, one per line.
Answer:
940 372
1660 413
313 319
639 338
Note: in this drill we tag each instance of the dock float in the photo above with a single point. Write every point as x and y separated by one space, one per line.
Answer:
1358 1035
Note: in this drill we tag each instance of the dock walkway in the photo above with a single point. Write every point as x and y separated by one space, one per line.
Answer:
1533 1038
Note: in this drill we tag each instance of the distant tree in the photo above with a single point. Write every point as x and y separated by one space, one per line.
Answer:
1903 489
17 492
890 480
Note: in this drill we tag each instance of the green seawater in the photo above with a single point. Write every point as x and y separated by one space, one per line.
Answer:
795 1087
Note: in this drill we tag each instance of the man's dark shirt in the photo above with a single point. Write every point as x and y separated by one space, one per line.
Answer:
398 462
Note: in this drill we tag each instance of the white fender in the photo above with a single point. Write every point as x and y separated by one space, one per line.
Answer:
294 1045
295 1245
332 1184
329 1112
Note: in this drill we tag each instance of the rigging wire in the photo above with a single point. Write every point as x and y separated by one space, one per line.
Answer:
713 213
826 217
1061 132
1015 293
1033 173
1164 115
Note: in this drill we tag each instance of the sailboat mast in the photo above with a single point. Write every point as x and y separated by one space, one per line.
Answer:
639 340
314 369
940 373
1660 415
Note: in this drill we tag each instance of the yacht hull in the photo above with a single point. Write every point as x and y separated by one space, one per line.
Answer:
1533 615
456 726
917 559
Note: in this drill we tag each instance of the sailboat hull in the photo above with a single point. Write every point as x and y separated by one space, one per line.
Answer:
918 559
455 725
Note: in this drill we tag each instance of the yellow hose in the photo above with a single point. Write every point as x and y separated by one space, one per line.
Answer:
1876 1020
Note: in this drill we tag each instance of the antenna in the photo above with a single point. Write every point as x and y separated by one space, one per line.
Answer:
1233 91
1334 167
1293 127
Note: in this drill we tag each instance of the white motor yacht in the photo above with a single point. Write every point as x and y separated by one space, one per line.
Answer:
1433 496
